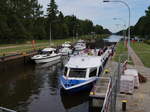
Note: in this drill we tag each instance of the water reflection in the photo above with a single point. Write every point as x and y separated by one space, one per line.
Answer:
113 38
73 100
36 88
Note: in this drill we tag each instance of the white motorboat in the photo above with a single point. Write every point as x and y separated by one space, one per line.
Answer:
46 55
81 72
80 45
66 44
66 49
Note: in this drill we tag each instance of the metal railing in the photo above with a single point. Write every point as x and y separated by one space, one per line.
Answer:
2 109
109 104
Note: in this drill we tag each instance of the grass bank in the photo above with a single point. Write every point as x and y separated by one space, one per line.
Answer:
143 51
8 49
121 52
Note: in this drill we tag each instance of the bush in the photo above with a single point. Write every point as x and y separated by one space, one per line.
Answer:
147 41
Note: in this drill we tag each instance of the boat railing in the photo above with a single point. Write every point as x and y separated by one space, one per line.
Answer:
2 109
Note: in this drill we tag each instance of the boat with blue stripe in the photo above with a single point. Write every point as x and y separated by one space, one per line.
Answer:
81 72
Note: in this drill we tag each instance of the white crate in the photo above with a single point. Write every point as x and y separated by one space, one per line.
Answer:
134 73
127 84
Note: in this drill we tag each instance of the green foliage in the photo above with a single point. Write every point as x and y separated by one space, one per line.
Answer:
142 27
23 20
143 51
52 11
121 52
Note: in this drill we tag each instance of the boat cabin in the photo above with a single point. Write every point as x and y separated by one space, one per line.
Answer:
83 67
48 51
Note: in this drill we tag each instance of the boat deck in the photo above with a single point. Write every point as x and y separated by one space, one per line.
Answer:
101 90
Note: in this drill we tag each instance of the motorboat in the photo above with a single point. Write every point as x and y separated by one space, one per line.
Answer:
66 44
81 72
80 45
66 49
46 55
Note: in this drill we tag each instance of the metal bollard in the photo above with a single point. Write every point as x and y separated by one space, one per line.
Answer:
124 102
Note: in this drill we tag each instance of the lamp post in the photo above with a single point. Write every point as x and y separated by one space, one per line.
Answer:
50 34
120 1
50 31
77 34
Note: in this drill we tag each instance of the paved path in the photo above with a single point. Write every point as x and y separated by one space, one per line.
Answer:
138 102
136 60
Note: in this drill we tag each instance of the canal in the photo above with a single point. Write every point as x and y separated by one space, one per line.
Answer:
36 88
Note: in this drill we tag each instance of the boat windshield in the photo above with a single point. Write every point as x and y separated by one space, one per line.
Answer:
77 72
46 52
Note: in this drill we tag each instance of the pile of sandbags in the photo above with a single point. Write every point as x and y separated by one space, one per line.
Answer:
142 79
133 73
127 84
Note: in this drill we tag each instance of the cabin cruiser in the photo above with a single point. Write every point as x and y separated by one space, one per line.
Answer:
80 45
46 55
66 49
81 72
66 44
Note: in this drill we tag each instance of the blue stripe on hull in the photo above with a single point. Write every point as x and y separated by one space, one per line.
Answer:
79 89
70 83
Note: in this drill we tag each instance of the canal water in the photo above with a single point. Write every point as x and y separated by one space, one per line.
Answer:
36 88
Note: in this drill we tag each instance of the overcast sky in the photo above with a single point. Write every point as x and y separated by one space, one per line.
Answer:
102 13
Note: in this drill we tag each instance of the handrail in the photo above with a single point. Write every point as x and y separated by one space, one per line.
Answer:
6 110
107 95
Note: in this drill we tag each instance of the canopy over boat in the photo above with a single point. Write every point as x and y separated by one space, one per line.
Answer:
84 62
48 49
81 41
66 45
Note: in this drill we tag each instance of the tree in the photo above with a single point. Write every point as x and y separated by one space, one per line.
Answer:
22 20
52 11
142 27
148 12
98 29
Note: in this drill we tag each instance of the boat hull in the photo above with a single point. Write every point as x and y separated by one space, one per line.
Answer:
83 86
48 59
79 89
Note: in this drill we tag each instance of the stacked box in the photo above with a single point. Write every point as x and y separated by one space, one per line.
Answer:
127 84
134 73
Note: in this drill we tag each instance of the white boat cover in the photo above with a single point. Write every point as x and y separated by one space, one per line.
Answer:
66 44
127 84
131 72
84 62
81 41
134 73
48 49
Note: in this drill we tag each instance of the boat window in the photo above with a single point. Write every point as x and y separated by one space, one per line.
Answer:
65 71
50 52
77 72
55 51
46 52
93 72
43 52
